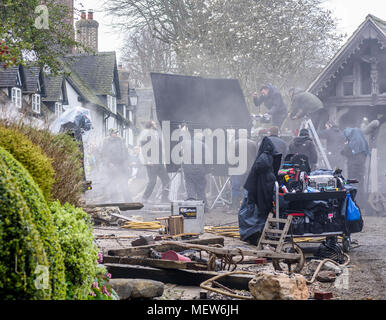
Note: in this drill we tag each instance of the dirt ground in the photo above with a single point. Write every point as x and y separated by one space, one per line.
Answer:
364 278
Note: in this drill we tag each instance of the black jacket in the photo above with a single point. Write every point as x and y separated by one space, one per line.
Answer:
261 180
115 152
280 145
304 145
273 102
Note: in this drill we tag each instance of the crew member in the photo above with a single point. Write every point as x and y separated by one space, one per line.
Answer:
274 102
305 103
115 159
154 170
303 145
356 150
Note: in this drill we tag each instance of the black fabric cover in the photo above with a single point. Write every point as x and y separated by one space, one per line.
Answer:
199 102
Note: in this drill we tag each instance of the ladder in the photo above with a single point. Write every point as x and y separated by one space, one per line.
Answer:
270 232
307 124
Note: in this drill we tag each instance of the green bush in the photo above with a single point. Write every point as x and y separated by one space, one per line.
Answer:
31 157
67 160
44 223
21 249
80 252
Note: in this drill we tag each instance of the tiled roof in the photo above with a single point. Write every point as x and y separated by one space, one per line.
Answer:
96 70
82 88
8 77
31 78
53 88
124 88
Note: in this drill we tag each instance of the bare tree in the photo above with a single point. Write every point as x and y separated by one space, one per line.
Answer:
284 42
143 53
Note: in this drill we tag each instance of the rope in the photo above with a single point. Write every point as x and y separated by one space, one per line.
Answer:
321 264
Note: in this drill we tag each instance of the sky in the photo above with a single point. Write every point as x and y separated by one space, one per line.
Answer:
349 13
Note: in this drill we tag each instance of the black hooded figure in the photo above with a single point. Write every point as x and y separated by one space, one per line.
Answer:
259 190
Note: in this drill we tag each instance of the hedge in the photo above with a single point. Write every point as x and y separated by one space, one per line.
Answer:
21 248
44 223
80 252
31 157
67 160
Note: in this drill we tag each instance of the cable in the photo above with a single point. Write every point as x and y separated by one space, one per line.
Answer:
328 260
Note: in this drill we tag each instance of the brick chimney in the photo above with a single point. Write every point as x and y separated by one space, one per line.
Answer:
90 14
87 30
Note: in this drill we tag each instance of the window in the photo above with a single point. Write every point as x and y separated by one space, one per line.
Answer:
348 88
112 103
365 78
36 103
58 109
124 111
16 97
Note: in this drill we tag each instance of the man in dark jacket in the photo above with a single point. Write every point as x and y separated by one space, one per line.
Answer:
335 141
115 160
259 192
280 144
307 104
154 170
356 150
274 102
304 145
195 173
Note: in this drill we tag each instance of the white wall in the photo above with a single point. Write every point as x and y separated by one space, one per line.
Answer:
72 96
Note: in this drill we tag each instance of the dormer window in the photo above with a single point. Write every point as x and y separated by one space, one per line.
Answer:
16 97
58 109
36 103
112 103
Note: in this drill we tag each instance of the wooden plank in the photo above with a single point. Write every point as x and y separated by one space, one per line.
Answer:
145 250
273 242
121 206
176 276
237 252
264 233
156 263
272 220
274 231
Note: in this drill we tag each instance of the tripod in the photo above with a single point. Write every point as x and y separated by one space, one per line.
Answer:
220 192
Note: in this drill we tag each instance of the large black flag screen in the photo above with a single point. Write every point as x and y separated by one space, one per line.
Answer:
199 102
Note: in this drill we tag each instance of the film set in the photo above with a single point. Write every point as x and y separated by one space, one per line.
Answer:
202 150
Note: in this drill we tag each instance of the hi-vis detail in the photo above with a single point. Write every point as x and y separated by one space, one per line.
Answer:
188 212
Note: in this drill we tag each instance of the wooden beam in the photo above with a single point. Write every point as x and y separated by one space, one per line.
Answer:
156 263
145 250
175 276
121 206
238 252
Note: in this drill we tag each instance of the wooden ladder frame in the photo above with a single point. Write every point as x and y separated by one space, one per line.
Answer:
278 244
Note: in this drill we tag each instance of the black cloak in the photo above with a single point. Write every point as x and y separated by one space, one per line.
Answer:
261 180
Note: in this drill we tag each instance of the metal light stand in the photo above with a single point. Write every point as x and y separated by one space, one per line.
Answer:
220 192
307 124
